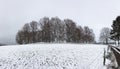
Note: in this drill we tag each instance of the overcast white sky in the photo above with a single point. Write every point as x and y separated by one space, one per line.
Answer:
93 13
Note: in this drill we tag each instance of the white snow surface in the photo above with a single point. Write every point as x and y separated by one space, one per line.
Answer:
52 56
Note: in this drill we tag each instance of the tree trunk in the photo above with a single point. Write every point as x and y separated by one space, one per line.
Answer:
106 41
118 41
104 57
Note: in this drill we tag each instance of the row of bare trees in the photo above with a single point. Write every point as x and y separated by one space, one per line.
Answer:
54 30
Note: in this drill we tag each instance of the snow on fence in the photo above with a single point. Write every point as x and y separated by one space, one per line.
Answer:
116 52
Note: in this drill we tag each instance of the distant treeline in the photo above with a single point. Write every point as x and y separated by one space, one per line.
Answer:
54 30
2 44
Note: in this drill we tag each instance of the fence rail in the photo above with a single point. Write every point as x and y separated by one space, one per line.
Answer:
116 52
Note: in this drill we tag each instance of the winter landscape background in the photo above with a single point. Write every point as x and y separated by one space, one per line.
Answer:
59 34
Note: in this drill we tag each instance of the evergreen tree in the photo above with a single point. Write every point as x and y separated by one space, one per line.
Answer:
115 32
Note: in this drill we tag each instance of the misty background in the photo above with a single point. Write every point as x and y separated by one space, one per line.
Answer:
93 13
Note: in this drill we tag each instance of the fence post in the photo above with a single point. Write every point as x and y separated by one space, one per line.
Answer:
104 58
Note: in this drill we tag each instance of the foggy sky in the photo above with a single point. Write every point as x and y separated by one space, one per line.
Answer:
93 13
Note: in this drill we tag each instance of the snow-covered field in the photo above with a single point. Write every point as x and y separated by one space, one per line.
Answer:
52 56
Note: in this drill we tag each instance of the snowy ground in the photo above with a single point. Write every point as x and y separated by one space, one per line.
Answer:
52 56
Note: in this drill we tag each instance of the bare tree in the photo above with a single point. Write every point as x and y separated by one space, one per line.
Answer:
34 29
104 35
20 37
88 35
57 28
81 34
45 29
70 30
24 36
26 33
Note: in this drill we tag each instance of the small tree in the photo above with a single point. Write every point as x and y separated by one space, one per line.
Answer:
104 35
